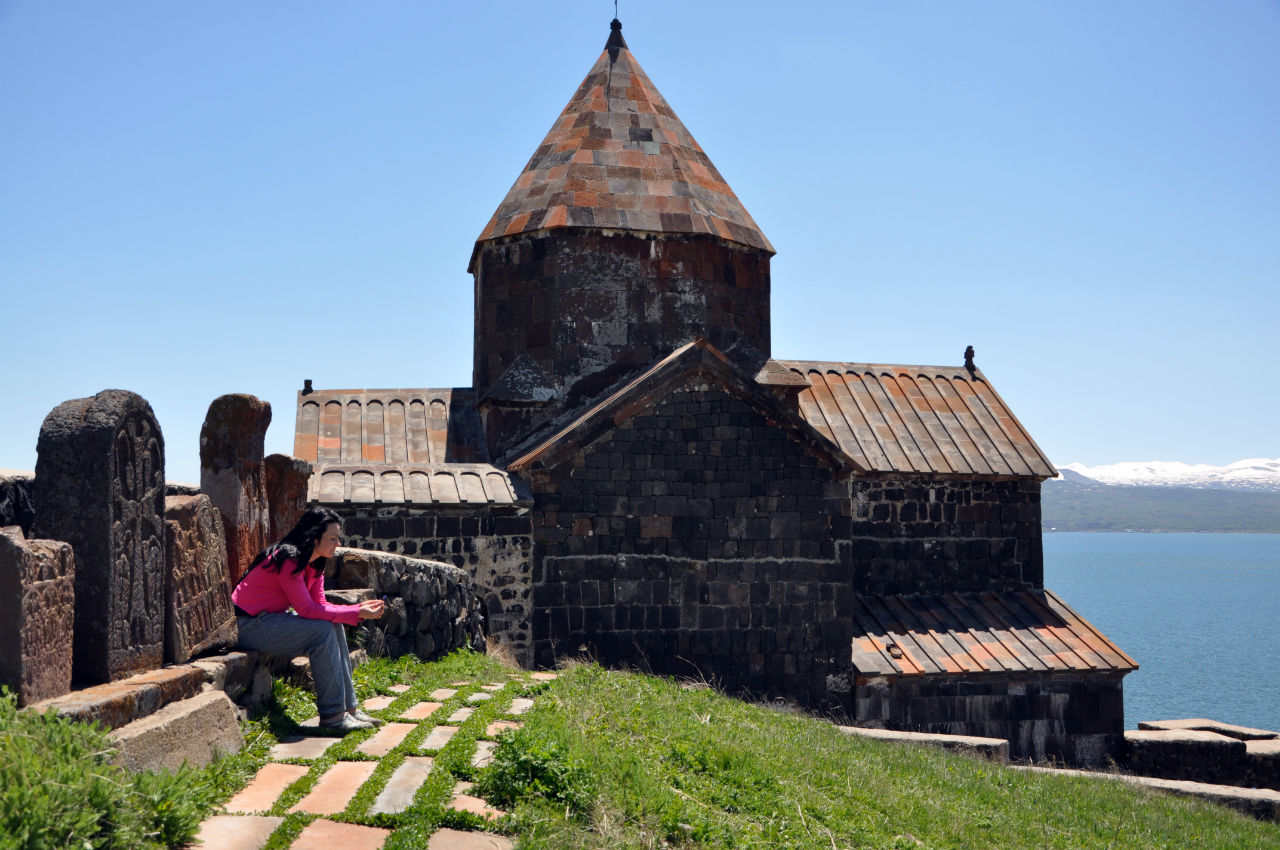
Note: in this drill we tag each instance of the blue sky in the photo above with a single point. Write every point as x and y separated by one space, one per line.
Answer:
207 197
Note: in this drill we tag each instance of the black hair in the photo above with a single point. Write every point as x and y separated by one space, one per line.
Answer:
299 543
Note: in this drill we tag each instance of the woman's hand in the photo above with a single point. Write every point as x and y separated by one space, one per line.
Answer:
371 609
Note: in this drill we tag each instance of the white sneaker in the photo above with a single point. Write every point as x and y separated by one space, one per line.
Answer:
345 723
359 714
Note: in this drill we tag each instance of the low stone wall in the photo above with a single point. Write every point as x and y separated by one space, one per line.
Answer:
1204 751
1075 719
432 608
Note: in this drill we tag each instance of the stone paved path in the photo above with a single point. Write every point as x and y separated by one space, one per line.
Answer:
257 811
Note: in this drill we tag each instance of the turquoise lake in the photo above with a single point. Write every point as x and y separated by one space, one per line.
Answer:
1200 613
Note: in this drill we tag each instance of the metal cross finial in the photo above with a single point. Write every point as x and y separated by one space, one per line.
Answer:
615 8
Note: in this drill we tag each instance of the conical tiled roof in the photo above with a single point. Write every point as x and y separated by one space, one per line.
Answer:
619 158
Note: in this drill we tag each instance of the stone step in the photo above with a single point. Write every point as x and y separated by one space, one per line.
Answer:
302 747
484 754
497 727
118 703
192 731
403 785
439 736
266 787
386 739
326 834
453 839
463 801
520 705
461 715
333 793
421 711
995 749
236 832
442 694
1261 803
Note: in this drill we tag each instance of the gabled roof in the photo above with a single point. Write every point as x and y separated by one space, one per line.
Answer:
664 377
967 633
917 419
618 158
399 446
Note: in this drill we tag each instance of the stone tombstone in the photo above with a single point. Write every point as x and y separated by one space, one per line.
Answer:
287 479
100 487
232 474
197 596
37 615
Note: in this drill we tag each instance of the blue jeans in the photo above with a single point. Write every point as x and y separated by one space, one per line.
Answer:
323 642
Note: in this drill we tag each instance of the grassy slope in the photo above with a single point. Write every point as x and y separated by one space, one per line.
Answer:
696 768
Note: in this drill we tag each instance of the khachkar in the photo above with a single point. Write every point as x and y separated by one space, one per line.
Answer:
232 474
100 487
198 608
37 613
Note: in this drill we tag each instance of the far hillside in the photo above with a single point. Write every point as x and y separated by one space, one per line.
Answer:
1077 503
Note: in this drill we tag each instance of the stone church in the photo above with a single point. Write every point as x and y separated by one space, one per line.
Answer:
632 476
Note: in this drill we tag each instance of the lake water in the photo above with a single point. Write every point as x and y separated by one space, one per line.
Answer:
1200 613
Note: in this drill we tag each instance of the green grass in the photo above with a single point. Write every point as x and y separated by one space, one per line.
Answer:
619 760
675 767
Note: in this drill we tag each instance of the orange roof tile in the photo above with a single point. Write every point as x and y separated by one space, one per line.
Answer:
1013 632
944 420
618 119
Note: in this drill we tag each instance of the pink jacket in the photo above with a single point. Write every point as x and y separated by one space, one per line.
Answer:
274 591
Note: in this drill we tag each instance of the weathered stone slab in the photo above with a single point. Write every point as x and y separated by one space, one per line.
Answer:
520 705
266 787
386 739
198 612
1188 754
302 747
439 736
286 479
232 474
461 715
37 614
333 792
236 832
191 731
484 754
100 487
116 703
995 749
456 839
1204 724
463 801
326 834
403 785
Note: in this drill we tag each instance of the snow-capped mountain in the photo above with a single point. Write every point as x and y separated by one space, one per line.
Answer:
1259 474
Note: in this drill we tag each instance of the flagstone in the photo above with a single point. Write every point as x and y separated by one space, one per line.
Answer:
403 785
458 684
378 703
239 832
520 705
311 722
399 689
266 787
421 711
480 696
495 687
464 802
442 694
333 793
461 715
326 834
497 727
386 739
439 737
302 747
543 676
484 754
454 839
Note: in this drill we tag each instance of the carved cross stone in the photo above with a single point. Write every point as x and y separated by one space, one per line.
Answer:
100 487
37 613
199 615
232 475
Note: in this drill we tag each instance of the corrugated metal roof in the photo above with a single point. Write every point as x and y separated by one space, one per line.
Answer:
619 158
469 484
399 446
1014 632
928 419
414 426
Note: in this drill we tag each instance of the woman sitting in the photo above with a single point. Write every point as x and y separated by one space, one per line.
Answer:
290 574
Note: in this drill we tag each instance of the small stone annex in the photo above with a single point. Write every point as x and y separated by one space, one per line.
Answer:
634 478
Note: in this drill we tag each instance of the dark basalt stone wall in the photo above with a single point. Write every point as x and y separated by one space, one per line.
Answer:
1076 718
589 306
